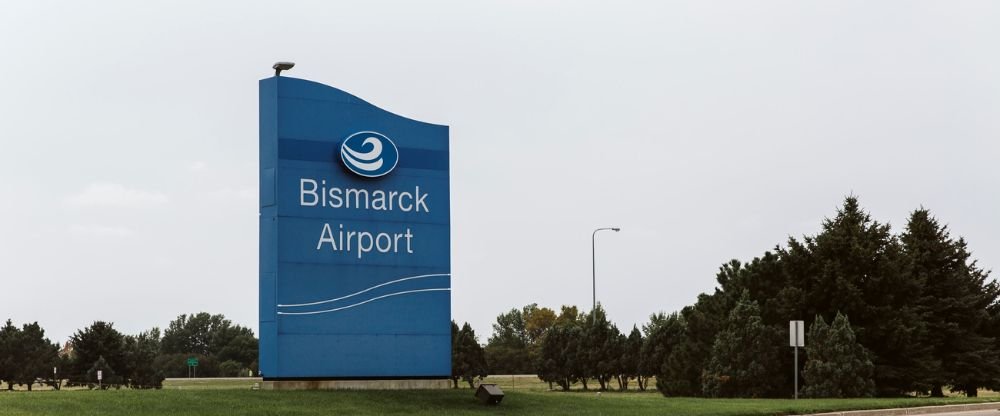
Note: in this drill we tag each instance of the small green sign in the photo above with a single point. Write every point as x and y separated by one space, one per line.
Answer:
192 362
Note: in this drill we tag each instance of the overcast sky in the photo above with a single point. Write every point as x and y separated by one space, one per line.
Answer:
706 130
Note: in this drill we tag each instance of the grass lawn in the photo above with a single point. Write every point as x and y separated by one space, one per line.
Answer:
235 397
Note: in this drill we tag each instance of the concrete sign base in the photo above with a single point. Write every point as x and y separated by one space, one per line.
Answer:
416 384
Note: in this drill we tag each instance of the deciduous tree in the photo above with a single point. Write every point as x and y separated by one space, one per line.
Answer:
213 336
507 350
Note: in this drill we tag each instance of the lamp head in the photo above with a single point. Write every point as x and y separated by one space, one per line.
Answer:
616 229
282 66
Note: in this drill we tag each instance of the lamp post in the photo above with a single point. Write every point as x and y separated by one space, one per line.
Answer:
593 260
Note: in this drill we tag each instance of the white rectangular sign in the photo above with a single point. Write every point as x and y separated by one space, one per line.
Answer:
796 334
100 375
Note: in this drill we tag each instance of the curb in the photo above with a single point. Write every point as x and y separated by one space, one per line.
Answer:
925 410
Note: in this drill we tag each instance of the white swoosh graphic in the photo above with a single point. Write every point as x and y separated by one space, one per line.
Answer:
371 154
367 167
366 301
363 291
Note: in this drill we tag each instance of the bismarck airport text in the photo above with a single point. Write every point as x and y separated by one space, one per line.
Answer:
313 193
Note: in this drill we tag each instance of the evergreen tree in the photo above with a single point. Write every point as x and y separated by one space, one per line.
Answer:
648 366
838 366
468 358
744 356
9 335
664 333
954 302
455 365
108 376
693 335
34 356
616 350
99 340
855 266
765 282
630 358
141 352
598 347
560 361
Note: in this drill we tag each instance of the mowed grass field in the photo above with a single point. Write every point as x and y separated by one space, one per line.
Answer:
227 397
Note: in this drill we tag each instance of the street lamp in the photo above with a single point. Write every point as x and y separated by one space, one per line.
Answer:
593 259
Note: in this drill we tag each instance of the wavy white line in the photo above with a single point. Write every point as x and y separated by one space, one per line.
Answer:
369 156
364 302
363 291
365 166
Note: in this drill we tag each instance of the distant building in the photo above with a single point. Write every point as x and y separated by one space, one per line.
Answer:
67 351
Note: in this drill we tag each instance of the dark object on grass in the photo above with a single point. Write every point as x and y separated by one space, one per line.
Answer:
489 394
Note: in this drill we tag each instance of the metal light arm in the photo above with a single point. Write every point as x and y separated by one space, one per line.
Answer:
593 260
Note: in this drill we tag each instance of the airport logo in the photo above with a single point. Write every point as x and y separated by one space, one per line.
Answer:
369 154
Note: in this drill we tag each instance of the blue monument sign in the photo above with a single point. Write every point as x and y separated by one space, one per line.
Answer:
355 263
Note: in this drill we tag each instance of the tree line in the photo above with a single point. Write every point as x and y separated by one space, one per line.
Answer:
888 314
139 361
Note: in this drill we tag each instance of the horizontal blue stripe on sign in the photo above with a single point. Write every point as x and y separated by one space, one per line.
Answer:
316 151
